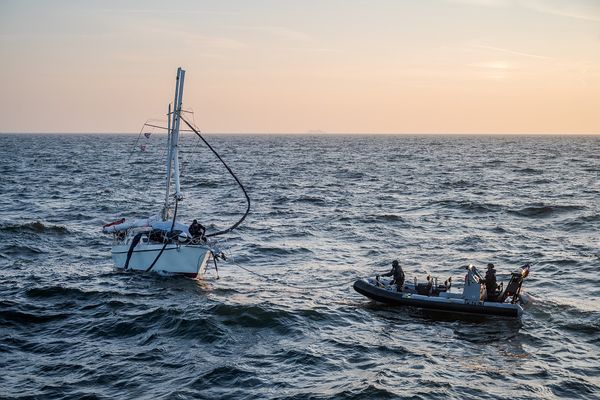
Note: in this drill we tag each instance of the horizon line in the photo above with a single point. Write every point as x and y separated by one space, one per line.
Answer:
327 133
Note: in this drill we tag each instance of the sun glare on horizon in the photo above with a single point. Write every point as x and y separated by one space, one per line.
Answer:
437 66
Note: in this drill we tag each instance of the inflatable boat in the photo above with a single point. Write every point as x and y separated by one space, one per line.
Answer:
474 298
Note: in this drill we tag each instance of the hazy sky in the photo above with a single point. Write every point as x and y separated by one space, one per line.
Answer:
389 66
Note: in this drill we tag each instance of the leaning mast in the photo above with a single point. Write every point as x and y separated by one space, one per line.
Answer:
173 142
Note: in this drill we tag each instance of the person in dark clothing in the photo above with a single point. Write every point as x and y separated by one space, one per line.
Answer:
397 274
429 285
197 230
491 284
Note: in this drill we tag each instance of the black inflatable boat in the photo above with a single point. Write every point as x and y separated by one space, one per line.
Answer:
473 300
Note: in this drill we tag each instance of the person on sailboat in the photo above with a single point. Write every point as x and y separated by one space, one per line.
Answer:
398 275
197 230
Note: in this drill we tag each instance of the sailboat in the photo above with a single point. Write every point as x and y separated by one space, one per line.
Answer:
160 243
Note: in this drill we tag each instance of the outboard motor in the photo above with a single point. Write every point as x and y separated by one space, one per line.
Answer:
513 289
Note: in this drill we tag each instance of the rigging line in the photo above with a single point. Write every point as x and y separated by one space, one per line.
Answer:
192 151
197 139
167 238
165 128
136 142
185 158
231 228
291 285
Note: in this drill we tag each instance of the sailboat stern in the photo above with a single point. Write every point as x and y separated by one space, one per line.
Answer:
187 260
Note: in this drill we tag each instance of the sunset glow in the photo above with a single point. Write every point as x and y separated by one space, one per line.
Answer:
435 66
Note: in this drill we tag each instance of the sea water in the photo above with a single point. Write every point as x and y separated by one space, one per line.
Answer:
283 321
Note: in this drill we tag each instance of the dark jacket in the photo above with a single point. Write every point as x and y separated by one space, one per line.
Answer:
490 281
397 273
197 230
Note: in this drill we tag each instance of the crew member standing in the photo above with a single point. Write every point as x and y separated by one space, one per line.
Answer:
490 282
398 275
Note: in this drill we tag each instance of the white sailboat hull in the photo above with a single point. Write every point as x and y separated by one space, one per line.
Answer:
188 260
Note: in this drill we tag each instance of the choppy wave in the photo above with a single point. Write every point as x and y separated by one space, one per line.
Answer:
311 200
74 327
254 316
22 318
583 222
529 171
469 206
21 250
34 227
544 210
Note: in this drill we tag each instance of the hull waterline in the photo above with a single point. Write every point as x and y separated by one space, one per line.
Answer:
185 260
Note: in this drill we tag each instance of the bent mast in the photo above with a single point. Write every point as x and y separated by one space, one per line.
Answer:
173 142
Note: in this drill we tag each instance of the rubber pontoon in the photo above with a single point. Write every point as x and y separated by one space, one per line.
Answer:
473 300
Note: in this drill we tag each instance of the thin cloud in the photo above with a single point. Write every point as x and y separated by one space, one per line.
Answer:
492 65
588 10
183 34
277 31
509 51
322 50
218 42
482 3
157 11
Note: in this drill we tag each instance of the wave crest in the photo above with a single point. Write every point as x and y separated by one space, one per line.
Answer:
34 227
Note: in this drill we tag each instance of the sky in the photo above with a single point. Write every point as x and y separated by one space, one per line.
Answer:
280 66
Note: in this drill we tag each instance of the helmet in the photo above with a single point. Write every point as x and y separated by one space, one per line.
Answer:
395 263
